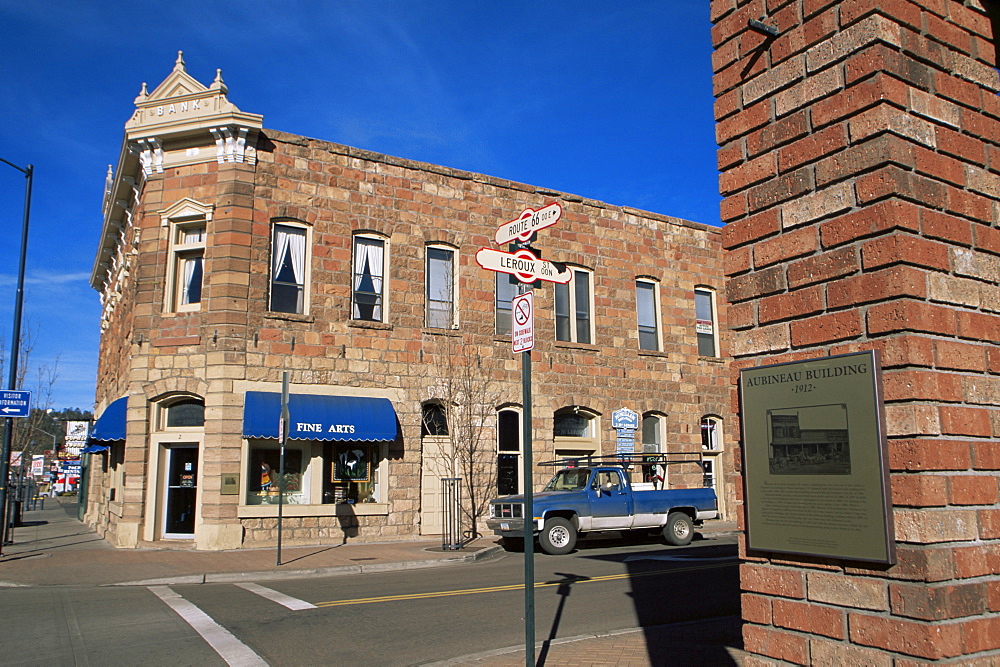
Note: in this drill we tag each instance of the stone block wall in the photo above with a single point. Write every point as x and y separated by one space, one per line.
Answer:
337 191
860 160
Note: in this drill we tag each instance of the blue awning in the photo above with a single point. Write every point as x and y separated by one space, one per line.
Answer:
315 417
110 426
94 448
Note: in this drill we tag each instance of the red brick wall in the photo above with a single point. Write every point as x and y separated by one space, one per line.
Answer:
860 160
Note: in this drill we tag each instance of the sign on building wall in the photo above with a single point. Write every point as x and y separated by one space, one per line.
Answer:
815 458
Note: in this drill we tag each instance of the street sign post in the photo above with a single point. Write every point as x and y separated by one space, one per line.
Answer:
523 322
15 403
528 268
529 222
523 265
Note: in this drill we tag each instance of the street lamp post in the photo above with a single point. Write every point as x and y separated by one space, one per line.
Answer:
15 351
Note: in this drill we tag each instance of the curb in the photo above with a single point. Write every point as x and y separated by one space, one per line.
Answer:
272 575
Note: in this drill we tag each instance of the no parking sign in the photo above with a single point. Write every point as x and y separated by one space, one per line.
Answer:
523 322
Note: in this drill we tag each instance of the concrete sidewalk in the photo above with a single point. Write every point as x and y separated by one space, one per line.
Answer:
53 548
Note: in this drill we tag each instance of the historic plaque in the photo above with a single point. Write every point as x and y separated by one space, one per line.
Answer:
815 458
230 484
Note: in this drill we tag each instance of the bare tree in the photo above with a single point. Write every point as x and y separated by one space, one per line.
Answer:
40 381
460 415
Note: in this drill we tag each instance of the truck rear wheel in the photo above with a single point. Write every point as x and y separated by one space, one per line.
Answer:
558 536
679 530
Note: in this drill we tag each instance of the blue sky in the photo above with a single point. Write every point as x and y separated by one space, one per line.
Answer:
608 100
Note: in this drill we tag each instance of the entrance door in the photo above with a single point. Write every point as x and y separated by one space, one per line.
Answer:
180 493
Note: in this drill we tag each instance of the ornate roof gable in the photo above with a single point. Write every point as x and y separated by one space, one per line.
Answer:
181 105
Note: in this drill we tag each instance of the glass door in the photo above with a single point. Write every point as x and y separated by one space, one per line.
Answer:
180 493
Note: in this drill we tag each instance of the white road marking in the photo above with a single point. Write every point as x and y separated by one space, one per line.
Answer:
294 604
232 650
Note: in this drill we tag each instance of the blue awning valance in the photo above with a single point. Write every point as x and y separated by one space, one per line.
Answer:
110 426
315 417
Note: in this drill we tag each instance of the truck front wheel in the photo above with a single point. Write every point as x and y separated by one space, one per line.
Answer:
558 536
679 530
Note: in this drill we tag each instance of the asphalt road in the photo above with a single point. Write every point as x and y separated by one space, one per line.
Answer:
392 618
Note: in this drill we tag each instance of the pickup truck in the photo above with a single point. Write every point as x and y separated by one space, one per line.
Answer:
600 498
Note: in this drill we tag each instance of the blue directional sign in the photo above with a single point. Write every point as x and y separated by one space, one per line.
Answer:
15 403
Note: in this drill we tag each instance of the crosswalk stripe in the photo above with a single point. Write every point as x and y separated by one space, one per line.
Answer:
288 601
232 650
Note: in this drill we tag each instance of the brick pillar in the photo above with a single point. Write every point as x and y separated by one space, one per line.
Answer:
860 160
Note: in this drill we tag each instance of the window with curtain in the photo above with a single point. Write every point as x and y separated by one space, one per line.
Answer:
704 306
288 269
573 309
188 265
440 288
505 293
369 271
645 300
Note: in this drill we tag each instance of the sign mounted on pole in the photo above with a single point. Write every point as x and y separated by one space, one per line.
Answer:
523 265
529 222
523 322
15 403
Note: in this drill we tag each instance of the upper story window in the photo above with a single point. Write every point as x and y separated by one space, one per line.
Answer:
505 293
574 306
705 325
648 314
186 222
188 256
288 269
440 277
368 291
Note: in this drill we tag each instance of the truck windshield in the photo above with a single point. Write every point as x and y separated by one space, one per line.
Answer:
572 479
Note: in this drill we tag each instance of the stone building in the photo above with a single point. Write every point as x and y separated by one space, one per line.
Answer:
231 254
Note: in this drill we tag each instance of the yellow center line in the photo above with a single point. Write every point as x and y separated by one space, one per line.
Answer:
517 587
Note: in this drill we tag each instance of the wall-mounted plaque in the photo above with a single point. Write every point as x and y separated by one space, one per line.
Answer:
814 455
230 484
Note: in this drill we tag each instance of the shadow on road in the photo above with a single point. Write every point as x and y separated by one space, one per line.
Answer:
565 585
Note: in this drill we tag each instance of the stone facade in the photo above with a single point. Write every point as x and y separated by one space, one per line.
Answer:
218 170
860 159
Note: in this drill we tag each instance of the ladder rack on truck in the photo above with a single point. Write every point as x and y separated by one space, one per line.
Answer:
620 460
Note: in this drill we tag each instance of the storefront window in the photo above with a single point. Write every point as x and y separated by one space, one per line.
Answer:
351 473
262 478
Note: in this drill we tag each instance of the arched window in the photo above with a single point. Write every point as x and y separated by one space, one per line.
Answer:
710 434
433 420
508 451
575 432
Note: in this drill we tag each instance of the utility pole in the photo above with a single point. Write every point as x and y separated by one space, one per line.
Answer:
15 351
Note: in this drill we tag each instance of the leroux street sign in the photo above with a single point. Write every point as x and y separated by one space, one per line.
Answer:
523 265
529 222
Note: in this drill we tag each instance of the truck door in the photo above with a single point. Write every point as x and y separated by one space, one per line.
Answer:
610 501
